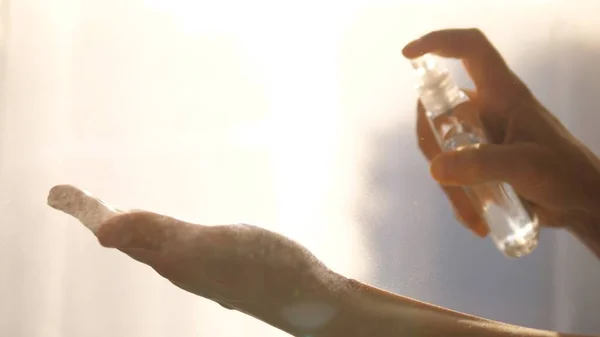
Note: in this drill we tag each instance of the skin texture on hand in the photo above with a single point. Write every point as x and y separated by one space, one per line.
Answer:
89 210
242 267
556 175
268 276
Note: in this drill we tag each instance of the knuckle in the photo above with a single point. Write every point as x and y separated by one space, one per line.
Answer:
476 33
476 37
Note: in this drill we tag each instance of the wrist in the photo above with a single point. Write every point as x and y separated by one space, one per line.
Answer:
368 311
585 224
588 232
343 307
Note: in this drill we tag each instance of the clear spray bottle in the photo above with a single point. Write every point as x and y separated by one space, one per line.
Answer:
449 111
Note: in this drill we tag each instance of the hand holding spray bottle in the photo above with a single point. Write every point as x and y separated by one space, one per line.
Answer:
513 229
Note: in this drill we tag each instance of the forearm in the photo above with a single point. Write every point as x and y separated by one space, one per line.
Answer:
364 311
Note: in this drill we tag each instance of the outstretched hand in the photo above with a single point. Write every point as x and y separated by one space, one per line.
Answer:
241 267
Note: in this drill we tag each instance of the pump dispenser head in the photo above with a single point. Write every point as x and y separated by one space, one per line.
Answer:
428 70
437 91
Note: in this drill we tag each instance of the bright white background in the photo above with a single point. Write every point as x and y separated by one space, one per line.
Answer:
296 116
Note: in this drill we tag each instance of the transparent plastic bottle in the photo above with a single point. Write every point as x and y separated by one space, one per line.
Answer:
449 111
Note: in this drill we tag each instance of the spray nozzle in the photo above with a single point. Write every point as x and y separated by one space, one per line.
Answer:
426 61
437 91
428 70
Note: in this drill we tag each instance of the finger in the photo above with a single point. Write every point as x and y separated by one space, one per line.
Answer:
494 80
471 94
144 230
523 166
89 210
466 211
493 123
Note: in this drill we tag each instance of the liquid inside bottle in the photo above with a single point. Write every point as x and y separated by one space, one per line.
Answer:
456 126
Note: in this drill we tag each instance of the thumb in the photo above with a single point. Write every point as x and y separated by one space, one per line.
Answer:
520 165
145 230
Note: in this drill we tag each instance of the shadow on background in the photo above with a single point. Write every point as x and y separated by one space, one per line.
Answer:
566 78
421 251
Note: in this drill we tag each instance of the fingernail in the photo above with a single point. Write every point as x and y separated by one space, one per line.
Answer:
439 171
480 230
408 49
